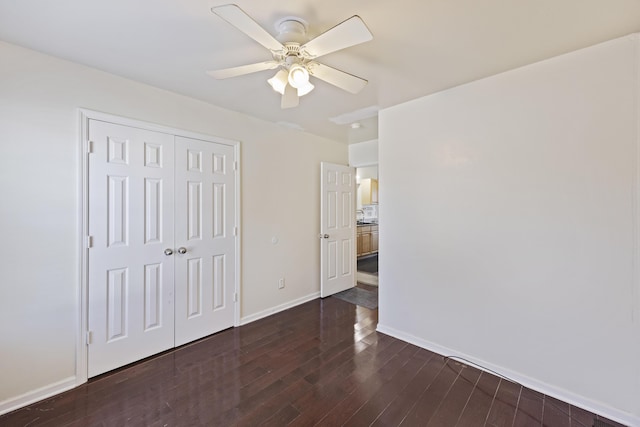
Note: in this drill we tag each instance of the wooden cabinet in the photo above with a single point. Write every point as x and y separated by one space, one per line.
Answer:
368 191
364 243
374 239
367 237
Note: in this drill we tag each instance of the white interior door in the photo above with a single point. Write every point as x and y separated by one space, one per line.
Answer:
337 228
205 235
130 290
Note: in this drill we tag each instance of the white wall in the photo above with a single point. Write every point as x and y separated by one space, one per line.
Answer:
363 153
39 176
511 225
367 172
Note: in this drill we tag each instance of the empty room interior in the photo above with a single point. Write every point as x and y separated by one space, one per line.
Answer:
190 188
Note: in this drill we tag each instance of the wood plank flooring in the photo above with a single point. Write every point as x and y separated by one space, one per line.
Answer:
321 363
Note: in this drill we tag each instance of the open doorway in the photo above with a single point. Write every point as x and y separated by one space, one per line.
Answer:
368 224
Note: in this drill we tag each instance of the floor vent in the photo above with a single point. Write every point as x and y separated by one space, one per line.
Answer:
600 423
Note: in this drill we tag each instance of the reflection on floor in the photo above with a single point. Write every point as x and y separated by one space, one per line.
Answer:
367 271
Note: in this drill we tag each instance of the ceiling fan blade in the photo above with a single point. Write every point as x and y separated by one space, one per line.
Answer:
243 22
290 97
345 81
243 69
348 33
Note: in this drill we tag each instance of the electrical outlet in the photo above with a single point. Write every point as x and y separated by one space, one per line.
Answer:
281 283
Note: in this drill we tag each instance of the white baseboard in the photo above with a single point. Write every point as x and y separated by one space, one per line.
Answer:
41 393
278 308
541 387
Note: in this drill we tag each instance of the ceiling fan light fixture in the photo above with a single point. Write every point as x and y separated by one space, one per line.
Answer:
279 81
298 76
295 54
302 91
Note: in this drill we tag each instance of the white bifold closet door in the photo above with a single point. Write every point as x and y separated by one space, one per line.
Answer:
162 246
205 222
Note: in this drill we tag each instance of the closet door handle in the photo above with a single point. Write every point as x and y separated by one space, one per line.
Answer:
182 250
168 251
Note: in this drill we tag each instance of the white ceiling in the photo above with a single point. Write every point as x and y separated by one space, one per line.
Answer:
419 46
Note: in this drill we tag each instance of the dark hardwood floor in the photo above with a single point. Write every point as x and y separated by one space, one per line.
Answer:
321 363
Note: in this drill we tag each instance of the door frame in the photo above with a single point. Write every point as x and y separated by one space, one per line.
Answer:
85 115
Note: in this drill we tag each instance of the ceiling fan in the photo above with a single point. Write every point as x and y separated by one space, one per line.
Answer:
294 55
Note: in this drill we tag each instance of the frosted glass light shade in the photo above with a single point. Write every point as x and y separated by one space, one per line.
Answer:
279 81
298 76
305 89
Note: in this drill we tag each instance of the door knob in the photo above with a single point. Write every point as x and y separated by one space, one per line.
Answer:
323 236
182 250
168 252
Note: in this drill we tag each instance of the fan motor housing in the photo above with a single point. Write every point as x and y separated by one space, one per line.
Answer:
291 29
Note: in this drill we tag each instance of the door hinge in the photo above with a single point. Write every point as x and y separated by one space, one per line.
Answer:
235 231
89 242
235 297
89 146
89 337
235 165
